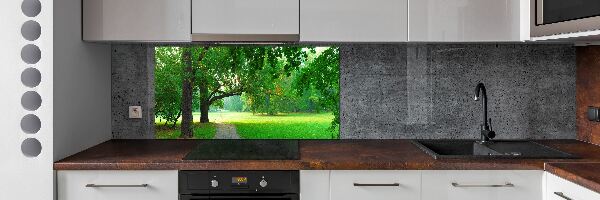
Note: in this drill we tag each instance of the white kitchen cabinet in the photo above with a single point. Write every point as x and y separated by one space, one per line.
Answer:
375 185
482 184
245 20
136 20
468 20
314 185
560 189
117 185
353 21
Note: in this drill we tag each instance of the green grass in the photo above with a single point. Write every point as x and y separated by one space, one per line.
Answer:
201 131
249 126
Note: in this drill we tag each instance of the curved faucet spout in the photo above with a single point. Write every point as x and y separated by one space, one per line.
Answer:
486 132
481 88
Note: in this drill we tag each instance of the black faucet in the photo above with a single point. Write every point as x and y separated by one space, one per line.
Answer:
486 129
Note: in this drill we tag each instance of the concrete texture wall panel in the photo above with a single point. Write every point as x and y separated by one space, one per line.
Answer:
426 91
132 85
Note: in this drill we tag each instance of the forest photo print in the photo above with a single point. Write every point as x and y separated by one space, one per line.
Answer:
247 92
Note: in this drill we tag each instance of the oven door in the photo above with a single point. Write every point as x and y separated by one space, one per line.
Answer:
552 17
240 197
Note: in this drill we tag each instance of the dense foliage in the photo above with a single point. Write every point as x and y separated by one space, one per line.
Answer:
259 79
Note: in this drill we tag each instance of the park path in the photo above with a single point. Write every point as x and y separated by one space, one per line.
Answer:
226 131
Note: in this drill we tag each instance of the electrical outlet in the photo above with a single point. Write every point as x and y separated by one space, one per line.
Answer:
135 112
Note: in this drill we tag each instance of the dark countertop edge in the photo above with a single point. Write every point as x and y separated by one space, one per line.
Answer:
573 176
297 165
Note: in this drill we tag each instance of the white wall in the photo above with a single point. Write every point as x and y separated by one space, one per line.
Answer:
24 177
82 89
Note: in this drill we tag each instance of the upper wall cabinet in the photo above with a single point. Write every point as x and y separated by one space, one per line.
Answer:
245 20
136 20
468 20
353 20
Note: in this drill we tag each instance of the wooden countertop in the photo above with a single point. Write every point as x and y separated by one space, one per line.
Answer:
314 154
331 155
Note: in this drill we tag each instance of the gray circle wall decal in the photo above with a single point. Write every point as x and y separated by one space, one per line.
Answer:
31 77
31 30
31 124
31 147
31 8
31 54
31 100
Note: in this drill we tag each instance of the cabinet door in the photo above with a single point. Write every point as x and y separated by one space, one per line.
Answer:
136 20
482 184
353 20
375 185
314 185
225 19
468 20
117 185
560 189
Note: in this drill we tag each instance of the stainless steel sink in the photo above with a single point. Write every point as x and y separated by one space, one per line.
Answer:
495 149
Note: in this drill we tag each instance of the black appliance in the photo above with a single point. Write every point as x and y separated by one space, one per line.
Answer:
236 185
244 150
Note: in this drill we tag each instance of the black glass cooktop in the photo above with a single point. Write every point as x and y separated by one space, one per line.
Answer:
244 150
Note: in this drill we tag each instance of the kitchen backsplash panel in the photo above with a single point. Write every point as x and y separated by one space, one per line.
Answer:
414 91
427 90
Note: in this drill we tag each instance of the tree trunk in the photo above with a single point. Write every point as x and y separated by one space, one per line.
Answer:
204 107
187 92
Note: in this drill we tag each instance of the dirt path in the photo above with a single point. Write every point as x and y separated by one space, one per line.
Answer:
226 131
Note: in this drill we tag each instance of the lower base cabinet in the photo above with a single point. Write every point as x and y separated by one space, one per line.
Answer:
117 185
560 189
421 185
375 185
482 185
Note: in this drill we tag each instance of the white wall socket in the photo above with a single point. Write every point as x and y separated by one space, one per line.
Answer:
135 112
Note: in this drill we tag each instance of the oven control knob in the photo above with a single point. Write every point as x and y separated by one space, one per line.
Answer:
263 183
214 183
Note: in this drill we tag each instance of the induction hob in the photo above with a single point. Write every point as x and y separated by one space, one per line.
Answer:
244 150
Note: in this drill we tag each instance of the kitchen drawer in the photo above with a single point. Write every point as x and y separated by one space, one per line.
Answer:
375 185
117 185
482 185
560 189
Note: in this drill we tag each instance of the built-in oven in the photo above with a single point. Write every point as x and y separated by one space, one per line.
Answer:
552 17
237 185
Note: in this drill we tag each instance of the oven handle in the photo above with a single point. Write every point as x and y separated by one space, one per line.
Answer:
249 197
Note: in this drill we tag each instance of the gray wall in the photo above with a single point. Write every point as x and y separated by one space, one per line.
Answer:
132 85
414 90
81 85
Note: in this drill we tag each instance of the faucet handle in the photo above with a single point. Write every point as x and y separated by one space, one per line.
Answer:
491 134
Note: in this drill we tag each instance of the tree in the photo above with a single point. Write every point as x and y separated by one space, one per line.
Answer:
231 71
187 90
322 75
168 83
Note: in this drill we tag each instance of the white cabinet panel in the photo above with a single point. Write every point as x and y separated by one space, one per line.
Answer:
162 185
245 17
468 20
355 185
136 20
560 189
314 185
482 184
353 20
